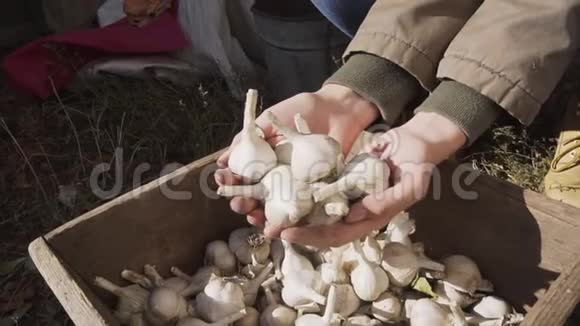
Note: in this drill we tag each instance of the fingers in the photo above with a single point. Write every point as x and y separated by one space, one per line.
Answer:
226 177
333 235
256 217
243 205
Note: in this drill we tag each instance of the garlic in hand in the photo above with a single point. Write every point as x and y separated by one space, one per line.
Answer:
197 282
224 321
328 211
387 308
314 156
286 199
245 242
327 319
364 175
252 157
218 254
132 298
276 314
368 279
402 264
398 230
219 299
283 148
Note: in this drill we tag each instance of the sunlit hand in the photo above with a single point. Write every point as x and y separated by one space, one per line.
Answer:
412 151
334 110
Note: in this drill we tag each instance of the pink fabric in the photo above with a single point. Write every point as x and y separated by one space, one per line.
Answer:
56 58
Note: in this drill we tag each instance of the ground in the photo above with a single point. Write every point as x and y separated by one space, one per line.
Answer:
48 149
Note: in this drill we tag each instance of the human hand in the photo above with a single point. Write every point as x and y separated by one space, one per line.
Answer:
412 152
333 110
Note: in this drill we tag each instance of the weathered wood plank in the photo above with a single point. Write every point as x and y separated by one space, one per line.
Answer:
558 303
79 303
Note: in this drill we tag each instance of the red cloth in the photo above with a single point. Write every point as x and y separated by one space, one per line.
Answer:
57 58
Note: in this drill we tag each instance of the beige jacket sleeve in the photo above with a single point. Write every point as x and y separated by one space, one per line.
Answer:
515 52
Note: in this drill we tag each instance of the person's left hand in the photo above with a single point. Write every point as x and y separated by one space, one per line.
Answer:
412 151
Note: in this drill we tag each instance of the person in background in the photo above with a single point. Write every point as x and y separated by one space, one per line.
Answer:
475 59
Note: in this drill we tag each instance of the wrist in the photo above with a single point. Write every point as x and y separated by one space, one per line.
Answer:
350 103
439 132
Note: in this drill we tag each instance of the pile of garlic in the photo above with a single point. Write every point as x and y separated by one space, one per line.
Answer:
250 280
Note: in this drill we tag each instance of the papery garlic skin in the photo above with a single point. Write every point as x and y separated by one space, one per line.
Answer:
293 261
245 242
462 273
218 254
387 308
347 301
492 307
428 313
252 157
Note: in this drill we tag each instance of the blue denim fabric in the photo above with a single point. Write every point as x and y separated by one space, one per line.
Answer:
346 15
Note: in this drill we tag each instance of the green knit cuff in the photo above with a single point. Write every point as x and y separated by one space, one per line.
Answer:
379 81
471 111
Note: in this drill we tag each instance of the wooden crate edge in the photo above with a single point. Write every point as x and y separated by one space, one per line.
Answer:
64 286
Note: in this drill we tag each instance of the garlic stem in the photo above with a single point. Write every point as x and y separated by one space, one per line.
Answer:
179 273
256 191
152 273
197 281
330 305
137 278
250 109
108 286
301 125
251 287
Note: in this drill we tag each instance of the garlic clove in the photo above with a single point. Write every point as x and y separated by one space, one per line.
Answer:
387 308
252 157
165 305
244 242
219 299
252 318
218 254
293 261
132 298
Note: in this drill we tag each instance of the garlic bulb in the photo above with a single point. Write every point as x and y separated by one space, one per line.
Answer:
463 274
245 242
398 230
218 254
252 286
252 270
425 312
492 307
293 261
402 264
361 320
387 308
283 148
286 199
165 305
303 287
314 156
347 302
327 319
368 279
372 249
219 299
132 298
237 316
197 282
252 157
364 175
276 314
175 283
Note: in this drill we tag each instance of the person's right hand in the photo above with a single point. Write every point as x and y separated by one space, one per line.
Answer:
333 110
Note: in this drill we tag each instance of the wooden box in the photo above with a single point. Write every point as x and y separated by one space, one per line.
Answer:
521 240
